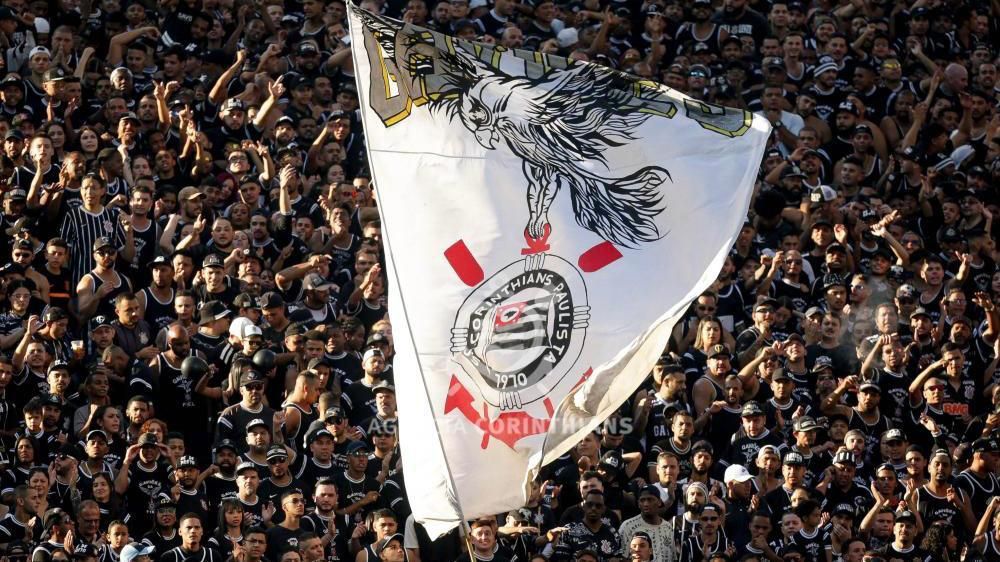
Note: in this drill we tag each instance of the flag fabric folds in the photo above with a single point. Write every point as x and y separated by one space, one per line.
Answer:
546 222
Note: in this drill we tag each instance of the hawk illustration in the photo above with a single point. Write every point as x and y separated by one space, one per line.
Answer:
560 125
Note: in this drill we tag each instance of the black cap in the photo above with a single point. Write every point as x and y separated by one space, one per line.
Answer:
225 444
320 433
271 300
211 311
276 452
101 243
187 461
212 260
54 74
719 349
250 377
751 408
245 300
99 321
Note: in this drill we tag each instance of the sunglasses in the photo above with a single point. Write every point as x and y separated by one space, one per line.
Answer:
254 386
106 252
277 460
935 387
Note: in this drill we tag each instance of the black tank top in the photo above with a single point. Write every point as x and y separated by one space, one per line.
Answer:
305 420
159 315
106 306
145 250
60 288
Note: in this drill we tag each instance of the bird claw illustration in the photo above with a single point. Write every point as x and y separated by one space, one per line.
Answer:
536 245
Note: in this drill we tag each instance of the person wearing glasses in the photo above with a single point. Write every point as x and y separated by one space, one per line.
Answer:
710 539
590 534
293 506
235 418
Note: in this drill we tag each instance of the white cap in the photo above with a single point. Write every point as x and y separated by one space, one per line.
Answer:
568 37
38 50
237 326
251 330
961 154
42 25
473 4
737 473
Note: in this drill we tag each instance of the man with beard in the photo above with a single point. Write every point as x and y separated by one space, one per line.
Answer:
144 475
740 20
156 302
940 500
14 525
842 486
649 521
679 443
746 443
357 491
824 91
779 501
865 417
192 497
236 417
592 533
256 512
280 479
220 479
979 482
324 521
163 536
185 413
359 398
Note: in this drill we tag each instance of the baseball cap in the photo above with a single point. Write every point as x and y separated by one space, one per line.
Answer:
97 434
233 104
225 444
256 422
53 75
805 423
189 193
869 386
905 515
719 349
211 311
893 435
276 452
357 446
383 386
320 433
612 460
794 458
919 311
315 281
148 440
161 261
212 260
751 408
245 300
250 377
244 466
101 243
736 473
822 362
333 412
845 457
849 107
651 490
187 461
271 300
985 445
135 550
58 364
906 291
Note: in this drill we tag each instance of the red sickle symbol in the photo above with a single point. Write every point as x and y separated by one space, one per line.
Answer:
508 427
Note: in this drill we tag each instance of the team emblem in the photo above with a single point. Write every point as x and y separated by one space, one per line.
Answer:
520 331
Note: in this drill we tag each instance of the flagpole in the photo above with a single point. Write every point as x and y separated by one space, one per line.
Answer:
399 288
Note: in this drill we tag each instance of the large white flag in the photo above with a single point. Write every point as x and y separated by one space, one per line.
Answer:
545 224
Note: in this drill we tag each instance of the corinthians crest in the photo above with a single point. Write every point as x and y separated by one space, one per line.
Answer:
523 324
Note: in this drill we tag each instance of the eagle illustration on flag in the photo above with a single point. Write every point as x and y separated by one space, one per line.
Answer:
524 318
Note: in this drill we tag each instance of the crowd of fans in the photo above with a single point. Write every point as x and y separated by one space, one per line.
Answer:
195 353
